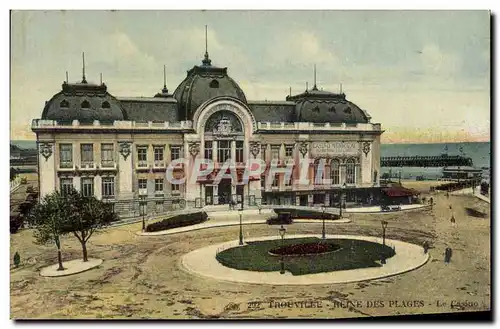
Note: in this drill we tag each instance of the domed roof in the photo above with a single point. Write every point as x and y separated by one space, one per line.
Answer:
85 102
320 106
202 83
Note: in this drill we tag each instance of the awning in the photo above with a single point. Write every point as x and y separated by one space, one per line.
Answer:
397 191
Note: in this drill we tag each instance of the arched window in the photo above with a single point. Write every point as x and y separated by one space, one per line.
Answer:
105 105
350 172
335 172
332 109
85 104
214 84
316 109
319 171
347 110
64 103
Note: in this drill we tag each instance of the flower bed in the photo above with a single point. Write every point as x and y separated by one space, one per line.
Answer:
306 214
178 221
303 249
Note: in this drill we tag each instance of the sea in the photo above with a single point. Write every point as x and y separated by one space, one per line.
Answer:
479 152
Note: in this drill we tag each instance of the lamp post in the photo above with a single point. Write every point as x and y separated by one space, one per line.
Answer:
342 198
282 232
384 226
323 233
143 197
241 226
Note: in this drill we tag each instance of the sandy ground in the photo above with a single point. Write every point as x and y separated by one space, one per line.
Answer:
141 276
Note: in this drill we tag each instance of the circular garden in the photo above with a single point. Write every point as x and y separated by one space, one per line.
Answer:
307 255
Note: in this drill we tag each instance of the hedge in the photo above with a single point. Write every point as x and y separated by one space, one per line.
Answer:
306 214
178 221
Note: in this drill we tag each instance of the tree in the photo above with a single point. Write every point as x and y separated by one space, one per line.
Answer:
90 215
48 218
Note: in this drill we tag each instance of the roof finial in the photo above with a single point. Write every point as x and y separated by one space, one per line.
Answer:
307 85
341 88
164 90
314 87
83 68
101 77
290 91
67 77
206 60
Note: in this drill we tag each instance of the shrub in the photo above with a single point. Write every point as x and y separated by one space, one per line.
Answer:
283 218
16 221
178 221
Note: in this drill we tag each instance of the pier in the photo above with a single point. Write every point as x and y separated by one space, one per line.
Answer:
442 160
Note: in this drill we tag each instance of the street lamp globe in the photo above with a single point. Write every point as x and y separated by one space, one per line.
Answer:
282 231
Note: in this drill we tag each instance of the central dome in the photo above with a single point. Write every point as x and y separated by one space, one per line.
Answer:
203 83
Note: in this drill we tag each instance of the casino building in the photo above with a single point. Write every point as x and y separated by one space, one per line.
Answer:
119 148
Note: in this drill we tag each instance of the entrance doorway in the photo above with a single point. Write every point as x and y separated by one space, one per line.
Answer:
303 200
209 195
224 191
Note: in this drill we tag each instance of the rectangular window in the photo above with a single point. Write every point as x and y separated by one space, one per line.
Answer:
87 151
224 151
239 151
288 151
276 180
263 151
287 182
175 152
66 155
175 187
66 185
275 152
158 153
263 182
159 185
143 184
87 187
108 187
142 156
208 150
107 159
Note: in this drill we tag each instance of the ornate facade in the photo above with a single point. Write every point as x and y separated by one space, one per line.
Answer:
120 149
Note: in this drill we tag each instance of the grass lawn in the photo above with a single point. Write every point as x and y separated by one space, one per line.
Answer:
353 254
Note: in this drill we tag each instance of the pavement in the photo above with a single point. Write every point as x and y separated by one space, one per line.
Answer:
202 263
70 267
377 209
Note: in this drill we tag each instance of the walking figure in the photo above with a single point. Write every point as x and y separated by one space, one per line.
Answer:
452 220
426 246
447 255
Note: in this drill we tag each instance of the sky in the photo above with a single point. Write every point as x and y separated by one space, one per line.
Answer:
424 75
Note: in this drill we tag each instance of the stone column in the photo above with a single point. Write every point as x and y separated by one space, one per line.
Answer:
191 152
126 170
297 200
365 165
215 151
98 187
47 167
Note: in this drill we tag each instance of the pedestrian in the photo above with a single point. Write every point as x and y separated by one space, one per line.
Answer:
447 255
453 220
426 246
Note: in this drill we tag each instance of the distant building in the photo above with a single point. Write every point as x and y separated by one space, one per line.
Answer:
119 148
462 173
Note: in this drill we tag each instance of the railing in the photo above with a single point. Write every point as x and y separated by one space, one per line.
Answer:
318 126
87 165
159 164
108 164
96 124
